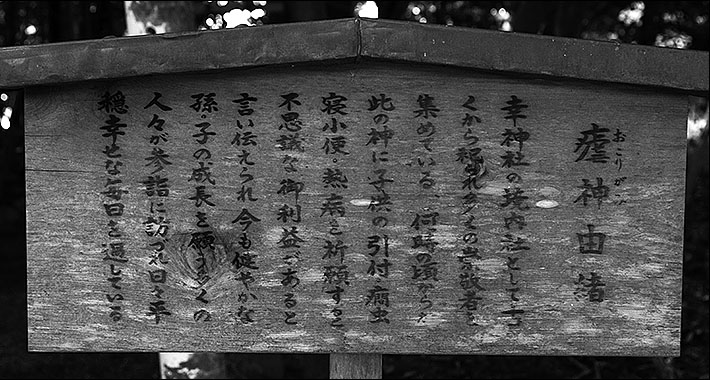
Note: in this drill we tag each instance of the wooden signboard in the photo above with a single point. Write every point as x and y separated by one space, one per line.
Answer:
349 204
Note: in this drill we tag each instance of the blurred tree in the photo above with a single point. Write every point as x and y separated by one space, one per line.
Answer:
294 11
679 24
153 17
35 22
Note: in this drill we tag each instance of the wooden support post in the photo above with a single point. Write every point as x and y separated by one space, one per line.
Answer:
355 366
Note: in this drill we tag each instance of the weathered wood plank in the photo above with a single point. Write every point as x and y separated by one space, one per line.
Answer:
355 366
534 54
348 39
637 204
177 52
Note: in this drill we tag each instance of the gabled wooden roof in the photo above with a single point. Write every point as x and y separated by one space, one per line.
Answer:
354 39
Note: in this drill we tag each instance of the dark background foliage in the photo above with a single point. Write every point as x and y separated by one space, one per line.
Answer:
675 24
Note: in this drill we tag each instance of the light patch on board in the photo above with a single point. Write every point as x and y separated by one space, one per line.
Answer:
361 202
367 337
546 203
288 334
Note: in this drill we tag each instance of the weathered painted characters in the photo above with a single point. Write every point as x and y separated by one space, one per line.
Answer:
330 136
470 155
425 270
592 148
598 192
203 239
590 287
336 272
618 138
594 139
114 250
514 111
299 233
290 241
378 247
157 190
513 243
244 262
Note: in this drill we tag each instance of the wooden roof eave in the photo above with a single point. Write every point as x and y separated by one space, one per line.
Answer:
346 39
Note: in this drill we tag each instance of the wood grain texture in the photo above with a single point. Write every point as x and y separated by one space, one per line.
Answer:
177 52
355 366
534 54
641 264
351 39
